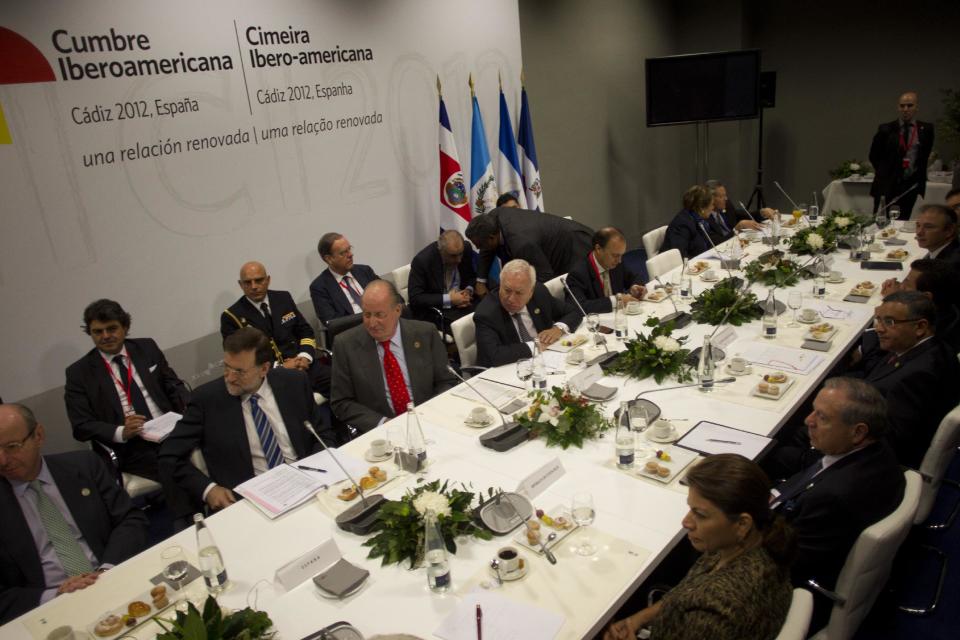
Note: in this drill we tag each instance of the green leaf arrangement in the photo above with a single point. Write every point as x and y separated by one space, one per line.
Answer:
246 624
563 418
711 306
658 354
811 240
399 524
842 223
851 167
773 270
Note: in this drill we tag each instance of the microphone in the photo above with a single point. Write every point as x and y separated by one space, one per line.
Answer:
639 400
894 201
795 207
503 438
724 264
679 318
361 517
604 358
747 211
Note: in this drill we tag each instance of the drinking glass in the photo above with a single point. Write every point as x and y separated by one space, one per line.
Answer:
593 322
525 369
175 568
583 514
894 213
639 421
795 301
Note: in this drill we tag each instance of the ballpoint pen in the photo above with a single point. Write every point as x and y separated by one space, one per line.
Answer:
723 441
479 623
306 468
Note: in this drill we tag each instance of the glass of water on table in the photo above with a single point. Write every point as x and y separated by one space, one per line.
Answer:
175 568
583 513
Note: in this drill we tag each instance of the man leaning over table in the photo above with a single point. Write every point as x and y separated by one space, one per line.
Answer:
244 424
601 278
521 314
65 520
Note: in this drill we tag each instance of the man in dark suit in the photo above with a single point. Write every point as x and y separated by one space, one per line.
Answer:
725 218
937 233
442 277
244 424
522 313
914 370
336 291
952 199
381 366
119 385
854 483
688 230
938 280
65 520
899 154
276 315
601 278
553 245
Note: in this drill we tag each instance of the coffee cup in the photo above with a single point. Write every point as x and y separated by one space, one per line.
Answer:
835 276
633 307
62 633
575 356
809 315
509 559
479 415
661 429
380 447
738 364
710 274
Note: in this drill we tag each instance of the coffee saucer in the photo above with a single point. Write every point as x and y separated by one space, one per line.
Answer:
667 440
713 279
744 372
516 574
815 320
478 424
369 456
837 281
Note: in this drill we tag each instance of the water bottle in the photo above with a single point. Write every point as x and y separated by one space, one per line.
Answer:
211 562
770 316
625 439
881 216
538 377
416 442
620 319
435 555
707 366
775 229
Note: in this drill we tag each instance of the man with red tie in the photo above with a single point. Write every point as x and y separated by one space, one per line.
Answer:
337 290
386 363
899 154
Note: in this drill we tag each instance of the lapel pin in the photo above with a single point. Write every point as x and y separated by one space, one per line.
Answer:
416 344
85 492
536 310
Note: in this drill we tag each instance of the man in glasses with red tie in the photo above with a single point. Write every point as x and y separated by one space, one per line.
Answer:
336 292
899 154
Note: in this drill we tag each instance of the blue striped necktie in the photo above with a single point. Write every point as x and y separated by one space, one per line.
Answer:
268 440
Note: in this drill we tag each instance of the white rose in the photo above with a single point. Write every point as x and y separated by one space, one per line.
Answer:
854 166
841 221
665 343
815 241
432 501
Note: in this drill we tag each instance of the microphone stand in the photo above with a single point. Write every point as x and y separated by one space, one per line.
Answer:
503 438
679 318
724 264
653 415
604 358
361 517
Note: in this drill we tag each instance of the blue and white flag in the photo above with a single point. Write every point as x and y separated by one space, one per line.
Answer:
528 157
483 186
508 163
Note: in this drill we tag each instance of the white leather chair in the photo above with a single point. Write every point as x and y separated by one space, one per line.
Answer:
664 262
137 486
867 568
652 241
798 618
555 287
465 336
400 278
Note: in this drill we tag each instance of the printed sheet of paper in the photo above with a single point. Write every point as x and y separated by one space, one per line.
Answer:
279 490
159 428
503 619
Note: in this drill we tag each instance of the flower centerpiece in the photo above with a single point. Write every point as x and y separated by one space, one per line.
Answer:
811 240
658 354
713 305
564 418
246 624
844 222
400 528
773 270
851 168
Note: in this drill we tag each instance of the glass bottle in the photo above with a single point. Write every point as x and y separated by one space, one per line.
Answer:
625 439
880 217
211 562
820 278
707 366
538 377
620 319
770 316
416 442
435 554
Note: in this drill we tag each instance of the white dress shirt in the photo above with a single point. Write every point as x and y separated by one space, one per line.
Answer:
121 387
353 283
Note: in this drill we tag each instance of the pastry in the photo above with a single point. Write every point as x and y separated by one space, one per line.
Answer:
130 621
380 475
157 591
866 284
651 467
138 608
763 387
366 482
561 523
348 493
533 536
161 601
111 625
663 472
373 470
774 390
778 377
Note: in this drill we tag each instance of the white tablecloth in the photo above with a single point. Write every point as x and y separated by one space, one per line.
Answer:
849 194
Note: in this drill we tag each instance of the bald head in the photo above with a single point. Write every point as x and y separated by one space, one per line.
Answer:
20 442
907 105
451 247
381 304
254 281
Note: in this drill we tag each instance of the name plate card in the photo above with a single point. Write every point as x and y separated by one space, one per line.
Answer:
537 482
724 338
586 378
311 563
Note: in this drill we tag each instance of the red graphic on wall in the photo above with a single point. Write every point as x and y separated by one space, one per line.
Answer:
20 61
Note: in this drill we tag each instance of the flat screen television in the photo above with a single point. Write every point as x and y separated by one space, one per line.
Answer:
698 87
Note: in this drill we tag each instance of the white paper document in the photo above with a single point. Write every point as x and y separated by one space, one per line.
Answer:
333 473
496 392
159 428
785 358
280 489
502 619
710 437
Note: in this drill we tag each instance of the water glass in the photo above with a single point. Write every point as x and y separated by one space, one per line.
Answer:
524 369
795 301
583 513
894 213
175 569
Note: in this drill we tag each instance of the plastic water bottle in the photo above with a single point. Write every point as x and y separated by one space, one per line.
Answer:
435 555
625 439
770 316
211 562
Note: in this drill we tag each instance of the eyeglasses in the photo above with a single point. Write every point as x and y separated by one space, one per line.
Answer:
340 254
888 322
13 448
227 370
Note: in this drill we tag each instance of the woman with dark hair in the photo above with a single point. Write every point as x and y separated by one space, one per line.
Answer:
689 229
739 589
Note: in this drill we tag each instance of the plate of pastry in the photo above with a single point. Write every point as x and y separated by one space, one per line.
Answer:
657 295
772 386
865 288
569 343
897 255
125 619
539 527
665 464
697 267
375 478
821 332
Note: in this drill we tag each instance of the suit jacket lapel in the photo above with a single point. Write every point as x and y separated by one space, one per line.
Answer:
149 378
538 313
412 354
76 490
287 402
18 537
255 317
885 368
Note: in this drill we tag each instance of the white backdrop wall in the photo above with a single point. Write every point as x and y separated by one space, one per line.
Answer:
166 235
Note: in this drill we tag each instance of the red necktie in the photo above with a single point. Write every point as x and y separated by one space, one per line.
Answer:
395 383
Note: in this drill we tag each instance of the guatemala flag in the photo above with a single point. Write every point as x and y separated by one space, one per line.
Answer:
483 186
528 155
453 190
508 164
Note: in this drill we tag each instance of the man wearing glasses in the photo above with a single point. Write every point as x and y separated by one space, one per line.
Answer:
913 369
65 520
442 277
937 233
336 292
244 424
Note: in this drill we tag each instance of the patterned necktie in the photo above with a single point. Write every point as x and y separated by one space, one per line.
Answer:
71 555
348 280
395 383
799 484
522 329
268 440
136 395
265 310
607 287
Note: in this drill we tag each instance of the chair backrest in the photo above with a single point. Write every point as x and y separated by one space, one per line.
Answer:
465 336
867 568
935 462
653 239
400 277
663 262
798 618
555 287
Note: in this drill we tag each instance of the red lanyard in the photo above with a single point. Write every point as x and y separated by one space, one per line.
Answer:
345 285
125 389
596 269
906 144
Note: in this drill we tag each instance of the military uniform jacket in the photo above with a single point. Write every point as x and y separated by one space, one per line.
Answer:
290 331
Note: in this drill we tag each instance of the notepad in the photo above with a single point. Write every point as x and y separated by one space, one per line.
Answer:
503 619
710 438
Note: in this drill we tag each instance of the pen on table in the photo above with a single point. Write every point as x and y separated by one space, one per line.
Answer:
723 441
479 623
306 468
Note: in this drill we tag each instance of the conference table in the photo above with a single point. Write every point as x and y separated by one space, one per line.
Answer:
853 194
637 518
